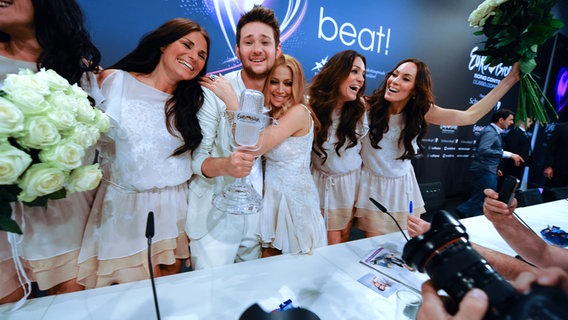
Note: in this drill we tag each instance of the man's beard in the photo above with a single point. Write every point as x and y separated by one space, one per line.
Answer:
253 75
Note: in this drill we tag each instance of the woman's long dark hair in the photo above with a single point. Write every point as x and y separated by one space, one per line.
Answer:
415 126
65 42
324 95
181 109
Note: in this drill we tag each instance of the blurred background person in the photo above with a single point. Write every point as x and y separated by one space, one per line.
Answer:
485 164
517 140
556 159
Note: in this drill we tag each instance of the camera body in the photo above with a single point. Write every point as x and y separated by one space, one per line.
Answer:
445 254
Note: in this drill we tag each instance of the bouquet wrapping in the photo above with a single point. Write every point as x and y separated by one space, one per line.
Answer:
46 126
514 30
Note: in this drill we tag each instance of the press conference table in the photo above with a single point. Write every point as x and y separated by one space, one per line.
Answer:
324 283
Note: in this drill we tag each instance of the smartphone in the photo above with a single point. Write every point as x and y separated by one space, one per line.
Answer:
508 188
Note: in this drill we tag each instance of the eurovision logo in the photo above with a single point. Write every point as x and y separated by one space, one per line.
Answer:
485 75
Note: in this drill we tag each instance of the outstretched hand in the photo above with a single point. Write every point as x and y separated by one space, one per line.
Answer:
517 159
416 226
494 209
222 88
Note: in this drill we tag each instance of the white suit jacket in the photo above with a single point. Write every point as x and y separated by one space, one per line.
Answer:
216 130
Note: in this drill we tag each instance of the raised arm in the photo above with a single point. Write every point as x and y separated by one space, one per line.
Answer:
295 122
222 89
442 116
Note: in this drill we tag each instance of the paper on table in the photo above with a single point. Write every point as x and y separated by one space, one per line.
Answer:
380 283
386 259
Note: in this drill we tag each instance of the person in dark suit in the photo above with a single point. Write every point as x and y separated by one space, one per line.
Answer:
556 157
485 164
518 141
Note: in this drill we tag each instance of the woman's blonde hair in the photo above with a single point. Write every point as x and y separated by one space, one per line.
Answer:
298 87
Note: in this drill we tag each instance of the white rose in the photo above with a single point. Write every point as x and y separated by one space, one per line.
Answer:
82 135
485 10
67 155
13 162
62 119
85 112
39 132
102 121
61 100
25 79
497 3
31 102
39 180
76 92
84 178
478 17
53 79
26 72
11 118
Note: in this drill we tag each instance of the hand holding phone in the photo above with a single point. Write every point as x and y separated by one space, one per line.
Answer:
508 188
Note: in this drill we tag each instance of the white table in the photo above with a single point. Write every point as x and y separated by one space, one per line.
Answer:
538 217
324 283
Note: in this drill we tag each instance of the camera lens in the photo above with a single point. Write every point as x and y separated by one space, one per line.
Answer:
445 254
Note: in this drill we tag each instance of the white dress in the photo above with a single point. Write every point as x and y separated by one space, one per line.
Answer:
140 175
291 220
337 179
390 181
49 246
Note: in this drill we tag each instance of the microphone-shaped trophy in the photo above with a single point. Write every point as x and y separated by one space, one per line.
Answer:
240 197
249 118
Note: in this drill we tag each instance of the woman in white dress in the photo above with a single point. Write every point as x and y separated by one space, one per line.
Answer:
290 221
399 113
51 35
336 97
152 97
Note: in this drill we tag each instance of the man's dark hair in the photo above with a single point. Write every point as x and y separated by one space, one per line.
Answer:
259 14
501 114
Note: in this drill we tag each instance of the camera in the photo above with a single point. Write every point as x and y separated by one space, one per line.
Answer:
445 254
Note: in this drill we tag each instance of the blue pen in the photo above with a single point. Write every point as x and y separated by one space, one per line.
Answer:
410 208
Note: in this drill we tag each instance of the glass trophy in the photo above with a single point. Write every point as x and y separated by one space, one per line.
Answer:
240 197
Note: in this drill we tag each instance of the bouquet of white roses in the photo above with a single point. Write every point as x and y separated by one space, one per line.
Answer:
46 125
514 30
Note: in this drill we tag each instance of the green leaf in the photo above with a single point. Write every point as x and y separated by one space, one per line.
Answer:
9 225
557 24
6 222
531 98
42 201
9 193
527 66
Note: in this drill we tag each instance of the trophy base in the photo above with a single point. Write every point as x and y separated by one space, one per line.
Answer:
238 199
